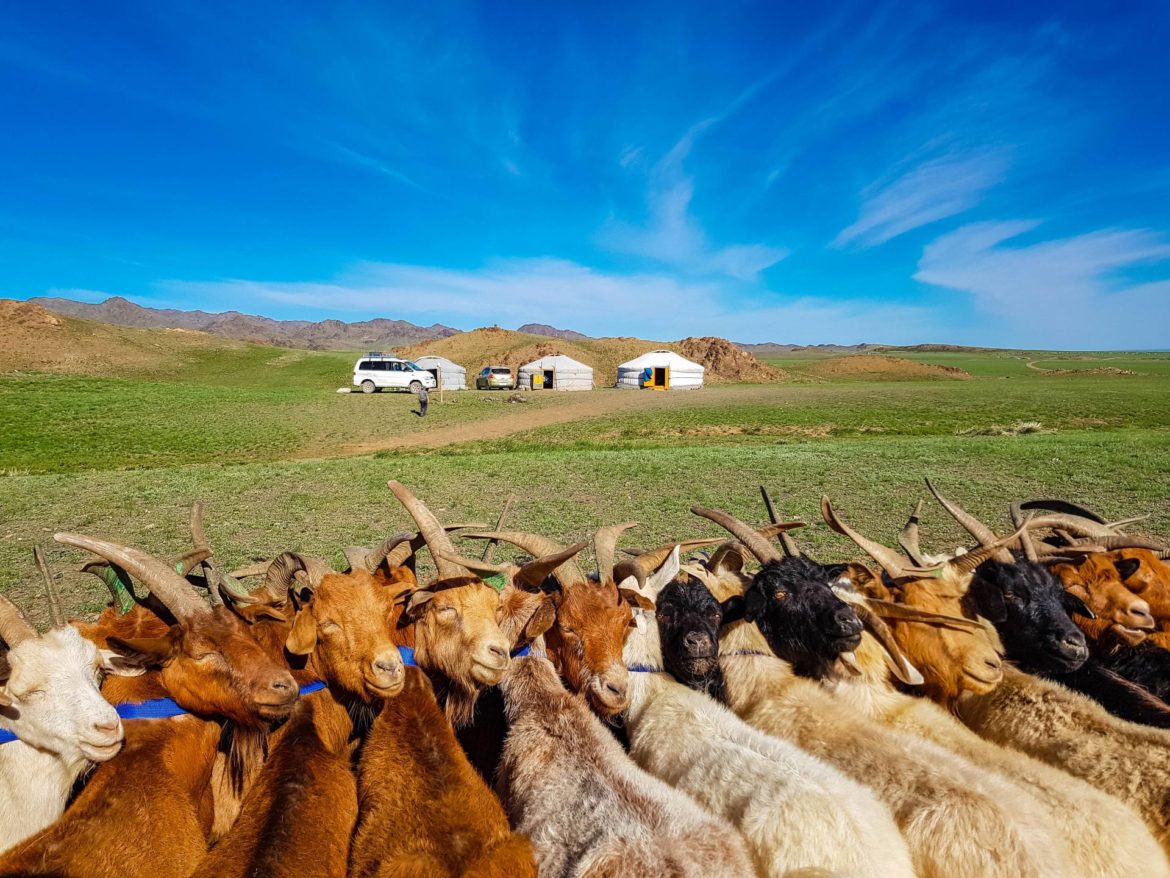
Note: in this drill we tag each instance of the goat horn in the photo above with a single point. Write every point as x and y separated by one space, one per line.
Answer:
374 557
176 593
401 553
752 541
537 570
437 540
50 588
258 569
895 659
284 568
967 563
198 536
971 524
604 544
1062 506
1026 541
642 566
1125 522
567 573
786 542
908 538
475 566
1081 527
895 564
904 613
14 628
1118 541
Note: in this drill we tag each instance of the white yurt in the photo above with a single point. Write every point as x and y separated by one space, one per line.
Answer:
557 372
451 376
660 370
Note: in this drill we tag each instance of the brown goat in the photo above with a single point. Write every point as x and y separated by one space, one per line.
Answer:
298 816
425 812
211 666
1122 616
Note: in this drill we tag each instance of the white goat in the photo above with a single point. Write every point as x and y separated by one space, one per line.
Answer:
50 701
794 810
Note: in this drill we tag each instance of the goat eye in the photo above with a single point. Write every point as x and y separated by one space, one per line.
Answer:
34 696
206 656
328 626
447 614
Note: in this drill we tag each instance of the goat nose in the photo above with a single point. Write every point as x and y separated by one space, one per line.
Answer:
616 689
847 620
993 663
109 726
283 683
386 665
498 651
697 641
1074 643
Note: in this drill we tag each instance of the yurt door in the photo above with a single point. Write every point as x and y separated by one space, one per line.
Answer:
550 379
661 378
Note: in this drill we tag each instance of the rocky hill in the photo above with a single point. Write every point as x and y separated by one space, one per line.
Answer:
35 339
551 331
329 335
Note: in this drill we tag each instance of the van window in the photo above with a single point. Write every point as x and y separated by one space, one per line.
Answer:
372 366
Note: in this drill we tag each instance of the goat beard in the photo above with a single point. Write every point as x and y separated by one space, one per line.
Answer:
457 700
703 674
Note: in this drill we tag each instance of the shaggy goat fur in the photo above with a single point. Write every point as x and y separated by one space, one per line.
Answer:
794 810
425 812
587 808
959 820
297 817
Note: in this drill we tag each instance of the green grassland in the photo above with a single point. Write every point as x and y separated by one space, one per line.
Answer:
261 435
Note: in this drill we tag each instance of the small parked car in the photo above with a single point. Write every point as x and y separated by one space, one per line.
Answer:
494 378
374 372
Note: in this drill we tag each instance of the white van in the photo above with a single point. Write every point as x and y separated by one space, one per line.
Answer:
374 371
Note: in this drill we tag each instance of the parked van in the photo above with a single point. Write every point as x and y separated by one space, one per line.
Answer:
375 371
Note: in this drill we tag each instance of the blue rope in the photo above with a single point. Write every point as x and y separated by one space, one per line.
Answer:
164 708
643 669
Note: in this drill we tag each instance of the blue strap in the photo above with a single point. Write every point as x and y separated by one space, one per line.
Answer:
521 652
643 669
6 737
407 653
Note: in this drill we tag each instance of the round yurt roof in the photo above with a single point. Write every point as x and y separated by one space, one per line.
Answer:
555 361
660 359
441 362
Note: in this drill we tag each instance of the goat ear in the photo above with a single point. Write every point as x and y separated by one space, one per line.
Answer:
754 604
252 613
1074 606
636 595
416 604
150 651
1127 567
733 609
121 665
540 621
302 639
5 698
989 598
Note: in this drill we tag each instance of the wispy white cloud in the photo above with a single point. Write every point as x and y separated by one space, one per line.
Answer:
352 156
567 294
1057 292
931 191
672 234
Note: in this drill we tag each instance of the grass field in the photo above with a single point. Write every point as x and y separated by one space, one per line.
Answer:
260 434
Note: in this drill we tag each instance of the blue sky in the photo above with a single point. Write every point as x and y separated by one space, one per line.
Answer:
977 173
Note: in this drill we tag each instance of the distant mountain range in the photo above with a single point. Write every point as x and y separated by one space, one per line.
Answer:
775 348
551 331
330 335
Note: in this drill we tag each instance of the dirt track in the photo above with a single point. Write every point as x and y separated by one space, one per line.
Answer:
519 418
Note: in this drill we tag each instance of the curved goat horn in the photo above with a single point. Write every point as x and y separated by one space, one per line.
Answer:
908 538
1073 524
14 628
643 565
437 540
1029 545
895 564
284 569
752 541
786 542
374 557
50 588
967 562
970 523
176 593
1119 541
604 544
1061 506
537 570
566 573
401 553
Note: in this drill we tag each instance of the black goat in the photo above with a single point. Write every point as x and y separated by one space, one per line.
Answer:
1146 664
689 618
1030 609
804 622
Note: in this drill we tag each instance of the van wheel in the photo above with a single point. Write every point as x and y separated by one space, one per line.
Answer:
415 387
368 386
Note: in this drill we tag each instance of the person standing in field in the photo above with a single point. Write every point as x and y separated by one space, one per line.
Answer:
423 398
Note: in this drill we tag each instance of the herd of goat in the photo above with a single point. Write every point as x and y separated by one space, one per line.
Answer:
708 707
